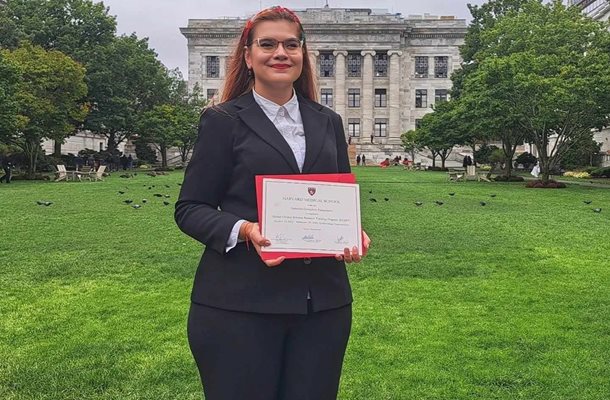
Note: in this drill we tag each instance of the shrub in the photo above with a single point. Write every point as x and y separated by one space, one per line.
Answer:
601 172
512 178
578 174
526 159
541 185
483 153
437 169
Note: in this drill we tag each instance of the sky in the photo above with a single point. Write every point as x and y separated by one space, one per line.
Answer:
160 20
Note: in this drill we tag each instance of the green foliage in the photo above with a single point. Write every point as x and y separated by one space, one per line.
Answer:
125 81
50 98
9 79
527 159
583 153
483 153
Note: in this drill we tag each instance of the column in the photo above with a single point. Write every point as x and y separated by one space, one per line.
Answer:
367 95
394 97
340 90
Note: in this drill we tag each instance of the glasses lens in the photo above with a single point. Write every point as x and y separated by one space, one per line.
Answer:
267 44
292 44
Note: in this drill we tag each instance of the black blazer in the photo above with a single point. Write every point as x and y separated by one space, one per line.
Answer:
236 142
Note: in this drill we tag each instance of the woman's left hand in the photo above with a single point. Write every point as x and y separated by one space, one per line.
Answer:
353 256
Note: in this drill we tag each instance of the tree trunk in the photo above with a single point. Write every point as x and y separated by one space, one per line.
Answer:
57 148
112 142
474 149
31 148
163 151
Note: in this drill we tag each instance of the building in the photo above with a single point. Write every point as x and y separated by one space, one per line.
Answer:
598 10
381 72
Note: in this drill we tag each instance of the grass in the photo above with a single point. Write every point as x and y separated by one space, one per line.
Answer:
460 301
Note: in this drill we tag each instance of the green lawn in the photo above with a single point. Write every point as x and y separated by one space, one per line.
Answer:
461 301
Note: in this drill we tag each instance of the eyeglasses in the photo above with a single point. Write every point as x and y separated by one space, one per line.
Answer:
269 45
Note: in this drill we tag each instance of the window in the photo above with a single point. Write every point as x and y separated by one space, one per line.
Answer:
327 65
418 123
381 98
353 127
101 146
421 67
354 65
441 95
421 98
353 97
212 64
381 65
326 97
381 127
211 93
441 66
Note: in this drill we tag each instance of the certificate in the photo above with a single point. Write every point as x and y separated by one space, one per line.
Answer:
315 217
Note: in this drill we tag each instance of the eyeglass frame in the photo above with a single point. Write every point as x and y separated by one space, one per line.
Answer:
278 42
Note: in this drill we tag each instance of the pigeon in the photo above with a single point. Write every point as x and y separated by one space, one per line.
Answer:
150 187
452 194
482 203
48 203
166 203
158 195
597 210
418 203
587 201
386 199
144 201
121 192
44 203
40 203
167 196
440 203
492 195
370 191
179 184
128 201
167 186
373 200
136 206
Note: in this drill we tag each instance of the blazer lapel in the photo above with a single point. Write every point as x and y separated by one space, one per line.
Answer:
315 124
256 119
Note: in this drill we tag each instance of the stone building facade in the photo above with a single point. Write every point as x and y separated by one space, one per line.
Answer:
381 72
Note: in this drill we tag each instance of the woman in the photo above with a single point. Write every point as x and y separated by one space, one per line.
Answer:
275 329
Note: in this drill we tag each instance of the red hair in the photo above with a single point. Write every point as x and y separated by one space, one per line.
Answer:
239 79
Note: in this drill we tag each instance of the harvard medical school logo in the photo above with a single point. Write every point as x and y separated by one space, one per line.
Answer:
311 191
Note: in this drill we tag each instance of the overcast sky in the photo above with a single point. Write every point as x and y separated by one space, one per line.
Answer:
160 20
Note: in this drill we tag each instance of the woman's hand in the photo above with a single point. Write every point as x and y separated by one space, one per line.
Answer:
250 231
353 256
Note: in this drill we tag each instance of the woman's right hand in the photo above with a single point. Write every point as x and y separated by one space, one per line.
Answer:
250 231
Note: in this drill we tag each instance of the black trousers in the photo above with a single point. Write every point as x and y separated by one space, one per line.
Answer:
250 356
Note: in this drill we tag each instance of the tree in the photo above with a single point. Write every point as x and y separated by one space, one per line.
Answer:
9 79
50 98
551 64
126 80
410 143
440 132
77 28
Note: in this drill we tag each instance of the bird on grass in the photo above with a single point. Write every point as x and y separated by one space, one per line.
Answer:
150 187
482 203
136 206
144 201
452 194
166 203
386 199
167 186
44 203
158 195
121 192
167 196
492 195
587 201
179 184
373 200
597 210
370 191
418 203
128 201
439 203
